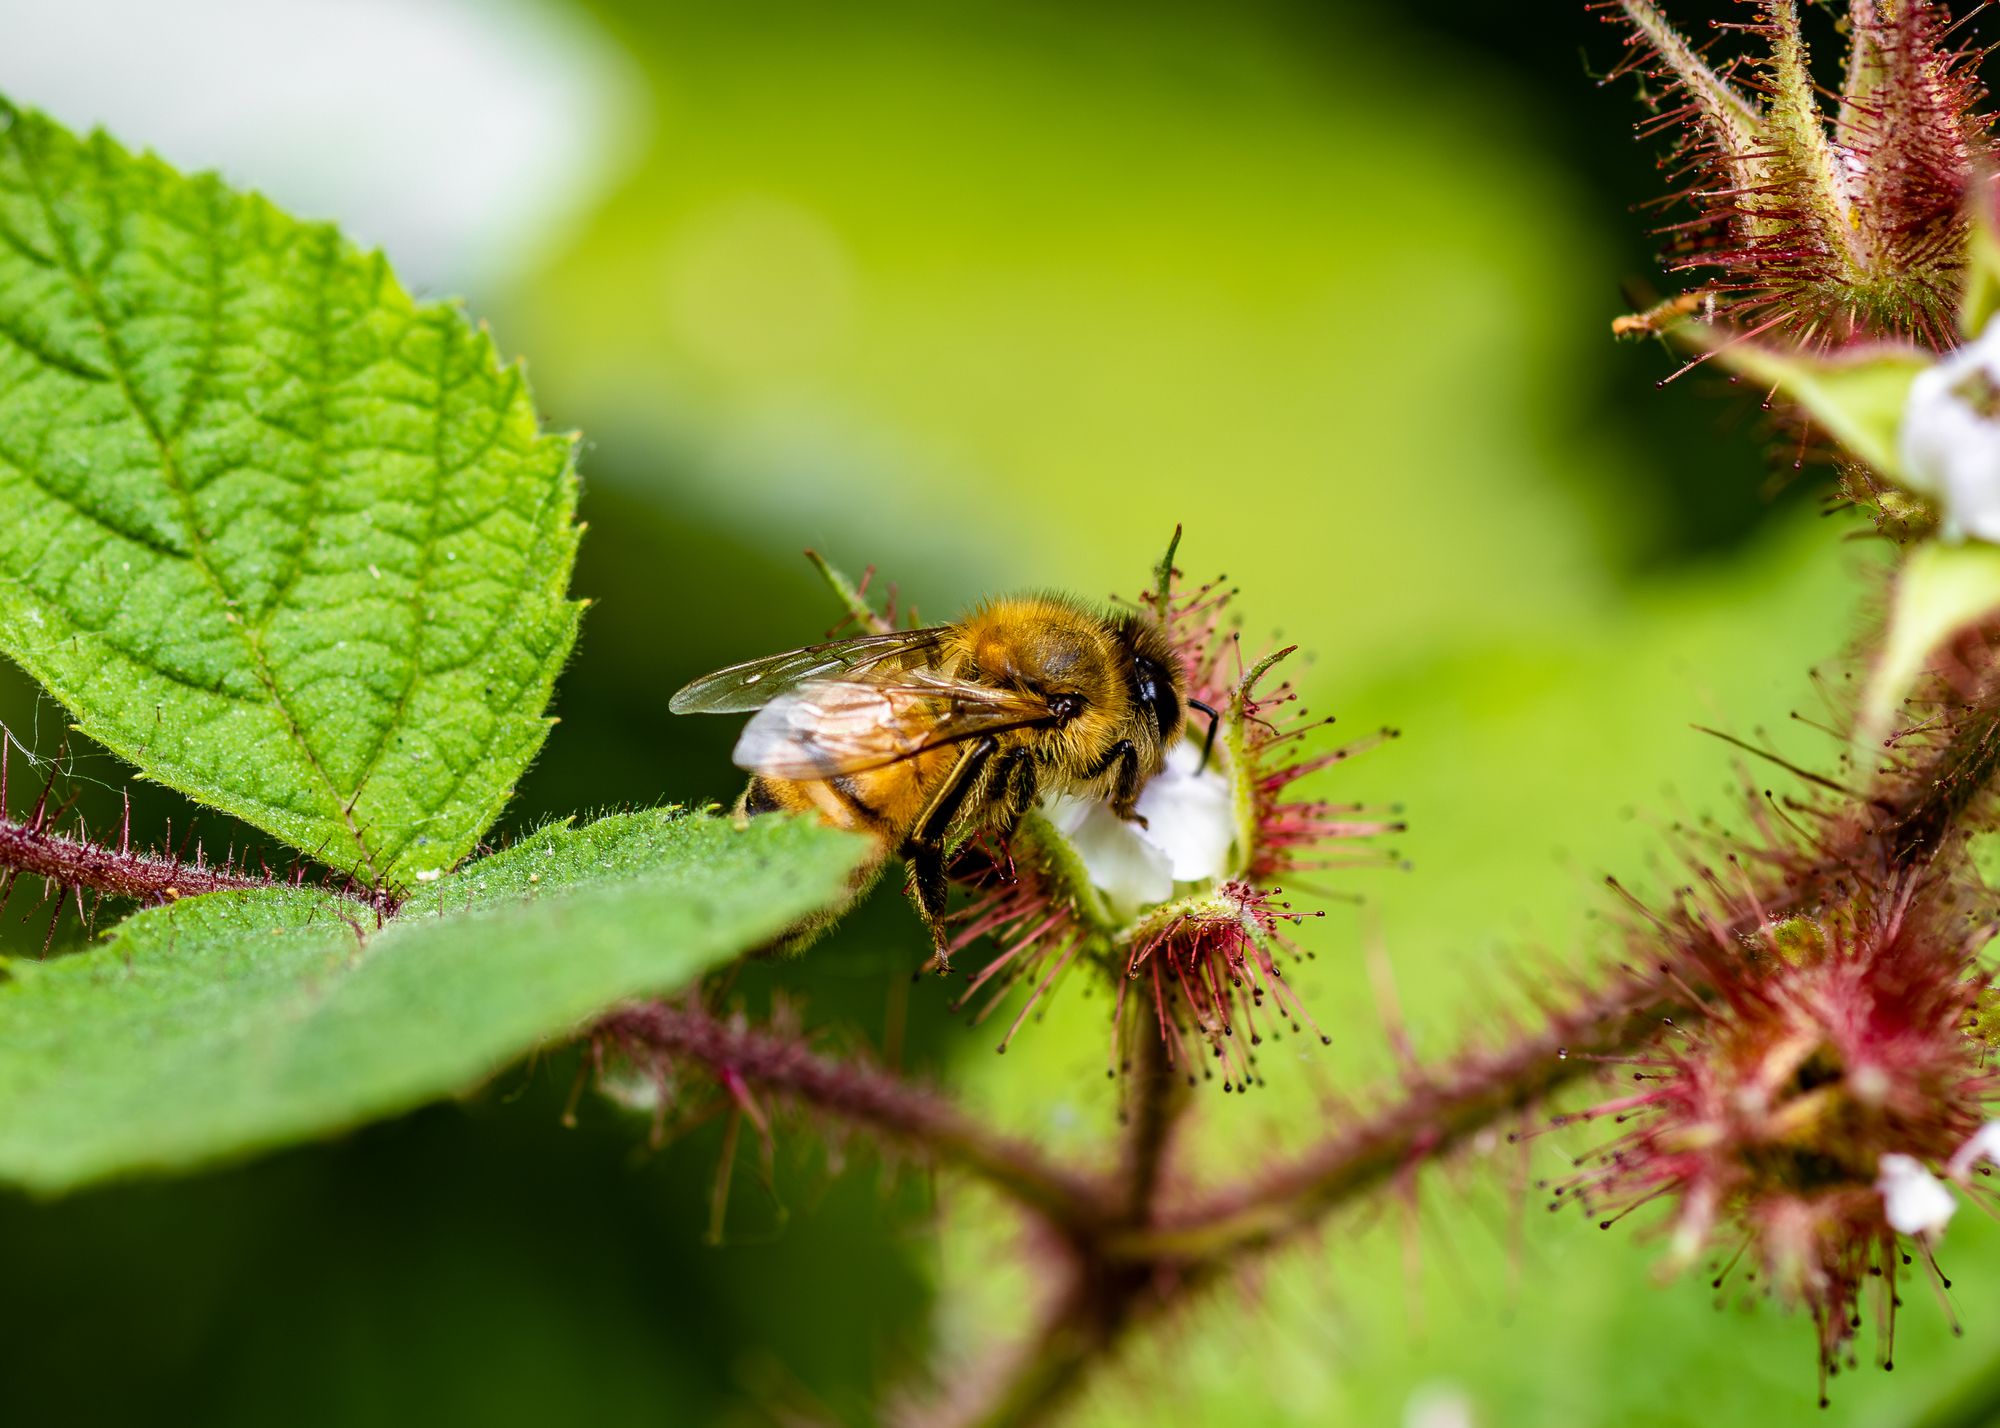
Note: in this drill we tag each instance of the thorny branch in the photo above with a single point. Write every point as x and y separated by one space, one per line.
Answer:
73 865
1439 1112
1101 1297
864 1096
37 851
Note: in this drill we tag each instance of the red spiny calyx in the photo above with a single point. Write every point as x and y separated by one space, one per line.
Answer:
1833 1050
1215 973
1822 228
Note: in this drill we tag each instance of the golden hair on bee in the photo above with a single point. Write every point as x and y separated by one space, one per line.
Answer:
921 738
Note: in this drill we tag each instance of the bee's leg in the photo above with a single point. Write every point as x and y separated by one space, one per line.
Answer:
1125 788
757 799
1015 786
924 848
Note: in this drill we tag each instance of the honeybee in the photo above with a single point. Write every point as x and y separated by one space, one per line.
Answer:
922 738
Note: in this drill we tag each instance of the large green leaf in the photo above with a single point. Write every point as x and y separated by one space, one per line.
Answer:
227 1023
286 539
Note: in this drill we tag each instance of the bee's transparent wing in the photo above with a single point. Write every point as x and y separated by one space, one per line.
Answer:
840 726
743 687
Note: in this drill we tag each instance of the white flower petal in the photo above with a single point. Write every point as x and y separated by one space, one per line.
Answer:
1130 869
1914 1201
1066 811
1950 437
1983 1144
1190 815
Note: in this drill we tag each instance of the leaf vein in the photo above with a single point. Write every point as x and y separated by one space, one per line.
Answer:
87 286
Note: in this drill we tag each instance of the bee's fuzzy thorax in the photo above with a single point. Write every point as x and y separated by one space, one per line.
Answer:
1057 645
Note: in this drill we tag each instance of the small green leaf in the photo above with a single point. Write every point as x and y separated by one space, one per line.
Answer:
1941 589
291 542
230 1023
1857 397
1979 299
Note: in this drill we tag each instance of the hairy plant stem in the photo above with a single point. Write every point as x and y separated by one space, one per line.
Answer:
34 850
1159 1098
1432 1117
868 1097
1102 1298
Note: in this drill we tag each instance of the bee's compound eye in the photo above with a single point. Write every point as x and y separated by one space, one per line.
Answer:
1065 707
1156 693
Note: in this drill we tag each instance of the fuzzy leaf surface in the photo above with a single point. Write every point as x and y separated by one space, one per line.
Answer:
225 1024
286 539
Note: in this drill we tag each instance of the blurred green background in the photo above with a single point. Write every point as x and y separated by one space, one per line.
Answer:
990 296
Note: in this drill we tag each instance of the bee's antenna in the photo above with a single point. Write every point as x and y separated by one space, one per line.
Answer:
1208 744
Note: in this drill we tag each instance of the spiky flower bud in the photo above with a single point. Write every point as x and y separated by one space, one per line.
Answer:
1801 1119
1822 228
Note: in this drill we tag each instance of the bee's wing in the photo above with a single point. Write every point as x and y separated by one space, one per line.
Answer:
841 726
743 687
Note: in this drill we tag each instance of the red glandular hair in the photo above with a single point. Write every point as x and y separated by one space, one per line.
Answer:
1821 225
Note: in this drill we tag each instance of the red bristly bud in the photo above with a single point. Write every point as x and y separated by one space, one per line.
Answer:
1824 229
1796 1122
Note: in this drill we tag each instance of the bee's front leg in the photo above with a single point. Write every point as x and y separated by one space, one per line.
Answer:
1125 787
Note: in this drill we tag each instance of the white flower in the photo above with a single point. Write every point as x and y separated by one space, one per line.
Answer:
1130 869
1950 437
1191 816
1914 1201
1190 829
1983 1144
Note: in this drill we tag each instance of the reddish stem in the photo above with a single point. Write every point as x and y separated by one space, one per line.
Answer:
1434 1116
866 1096
148 878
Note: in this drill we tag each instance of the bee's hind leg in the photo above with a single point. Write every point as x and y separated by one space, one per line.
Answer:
924 848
